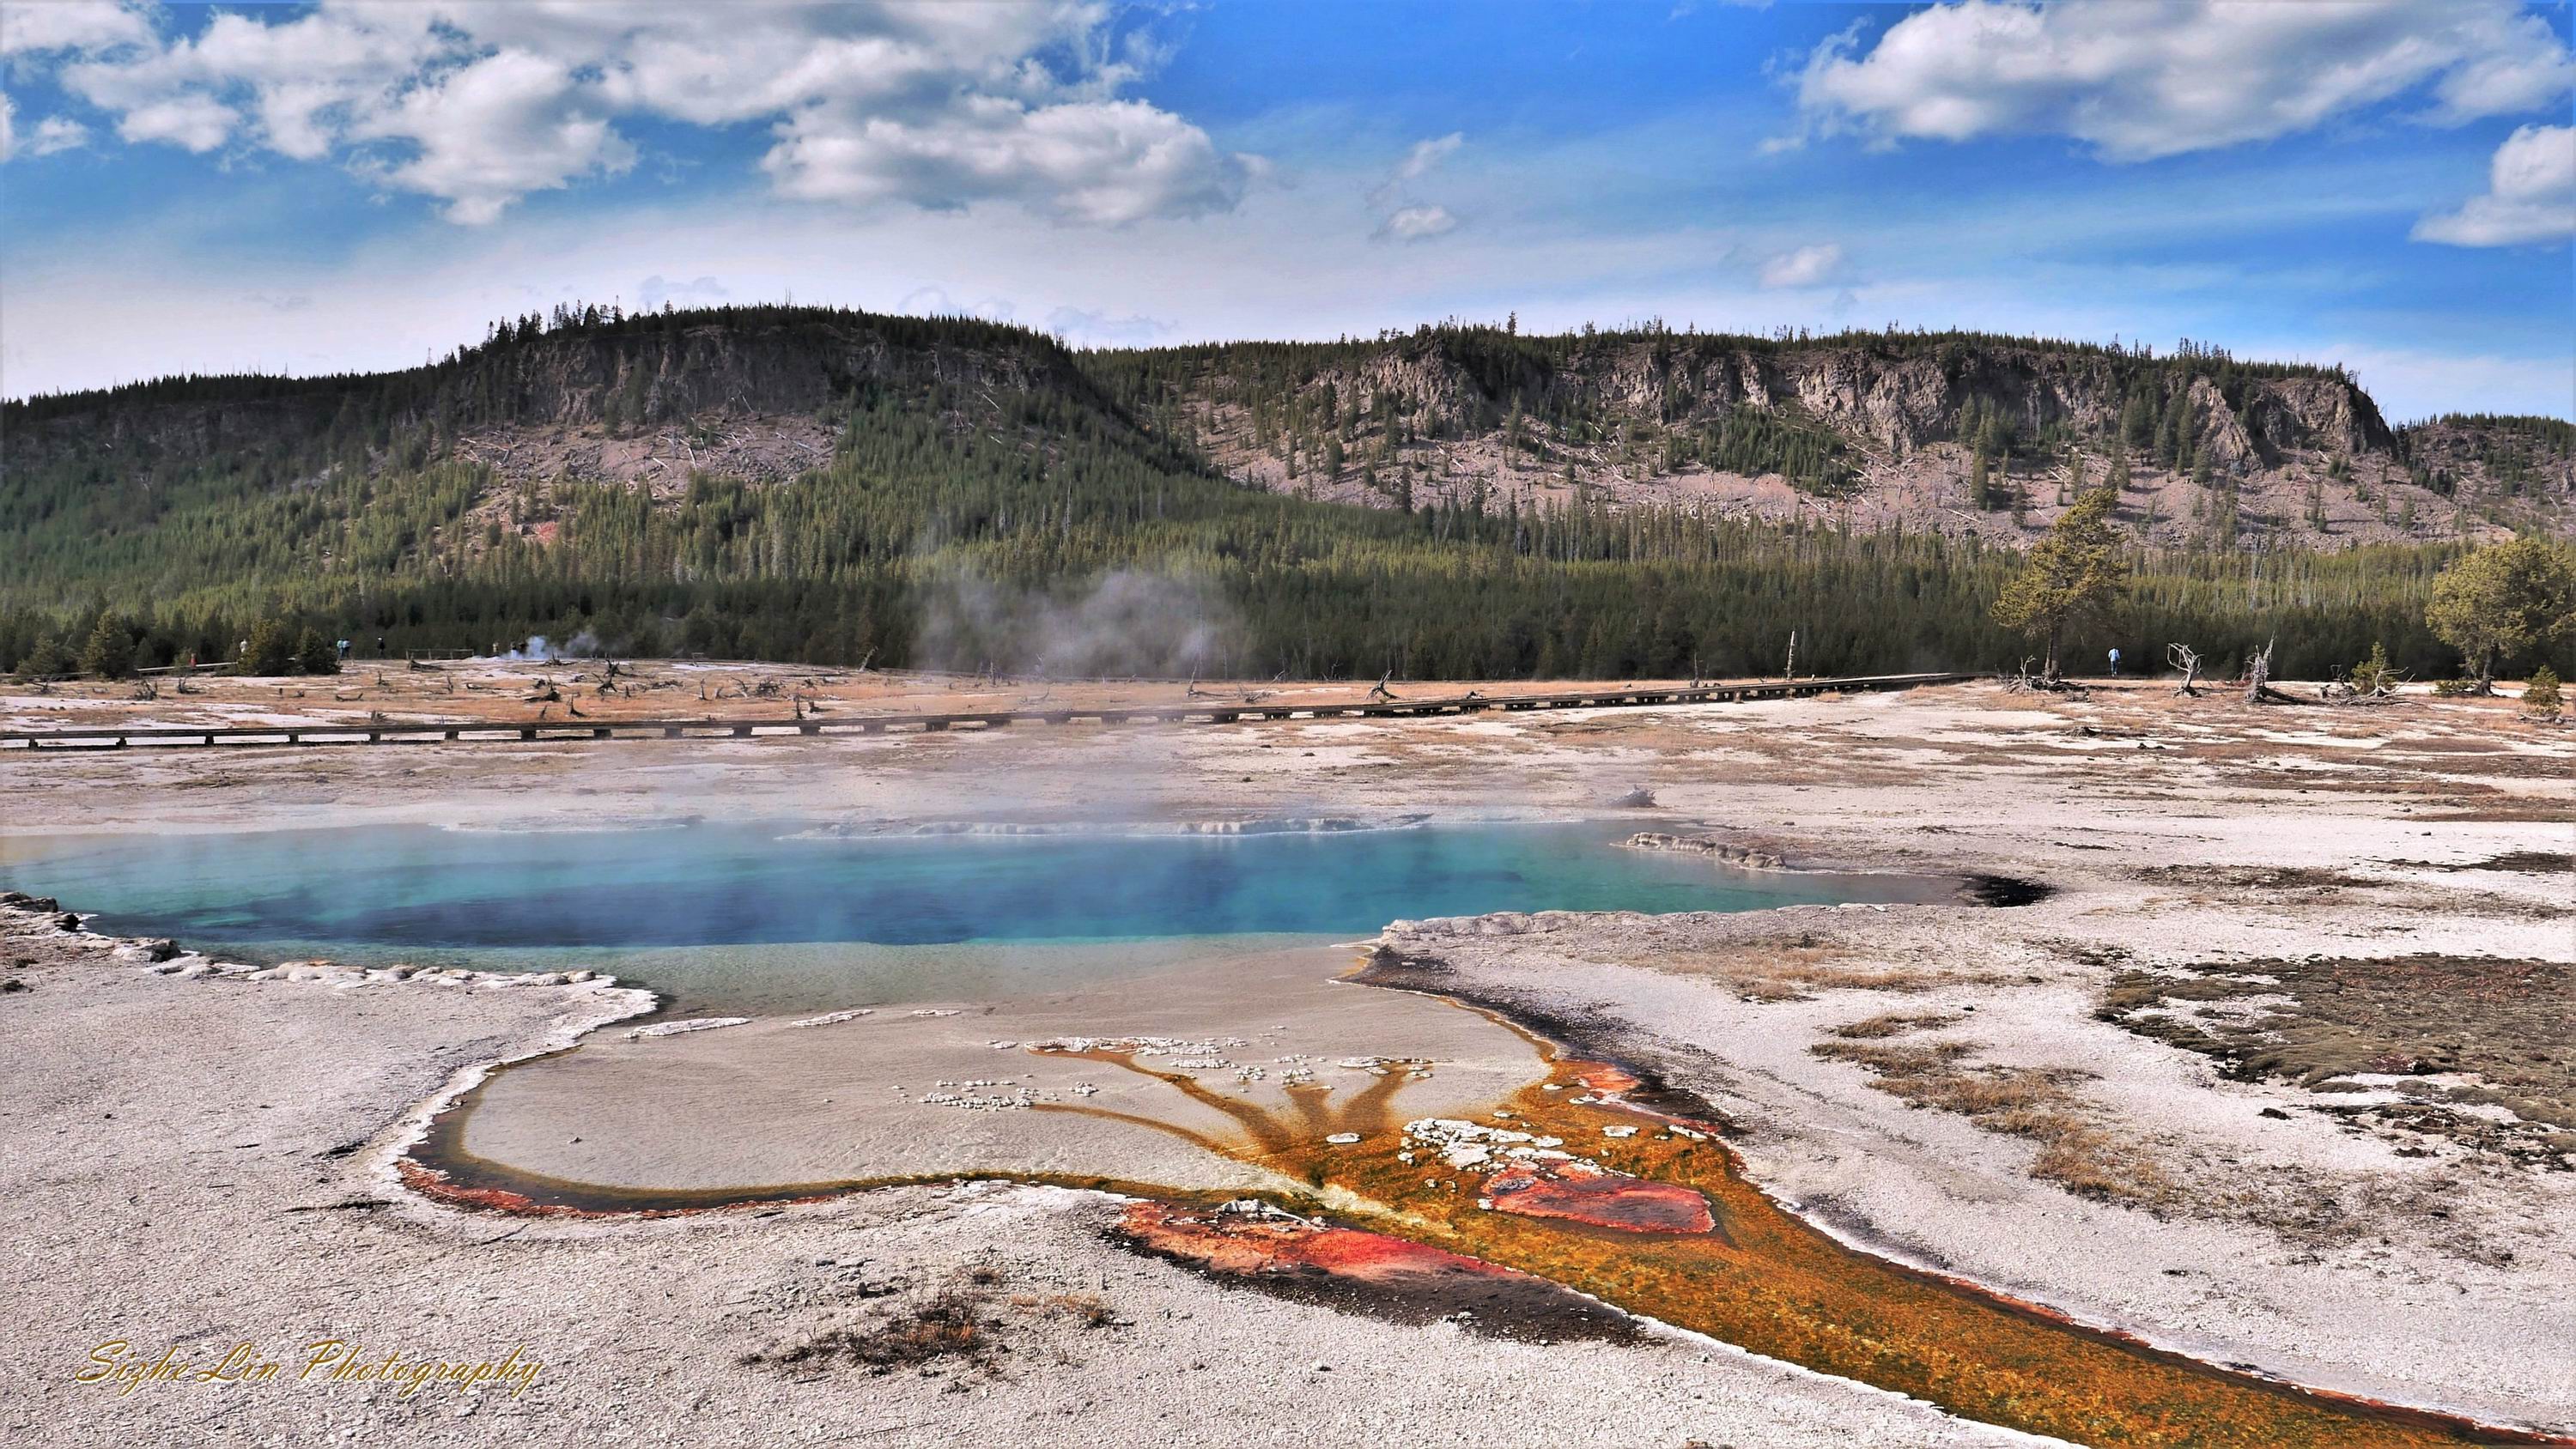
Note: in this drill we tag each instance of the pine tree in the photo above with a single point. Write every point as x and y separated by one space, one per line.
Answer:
2500 601
2071 575
109 654
269 651
2540 694
315 654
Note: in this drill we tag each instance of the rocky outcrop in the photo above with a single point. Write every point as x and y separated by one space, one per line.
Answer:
1876 431
2326 415
1897 395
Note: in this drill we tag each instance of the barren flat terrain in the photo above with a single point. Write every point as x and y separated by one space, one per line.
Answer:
2275 1074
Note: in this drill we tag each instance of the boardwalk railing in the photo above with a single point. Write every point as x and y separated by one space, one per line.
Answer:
392 732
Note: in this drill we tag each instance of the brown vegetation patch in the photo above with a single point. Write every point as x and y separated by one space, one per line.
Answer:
1892 1023
2032 1102
2525 862
947 1325
1793 970
963 1323
2509 1024
2257 877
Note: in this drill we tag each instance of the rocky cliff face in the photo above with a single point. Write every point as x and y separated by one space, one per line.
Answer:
1898 398
1883 431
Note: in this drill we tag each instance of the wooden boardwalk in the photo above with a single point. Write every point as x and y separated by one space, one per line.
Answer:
389 732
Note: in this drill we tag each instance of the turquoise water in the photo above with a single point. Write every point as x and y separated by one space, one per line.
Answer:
693 906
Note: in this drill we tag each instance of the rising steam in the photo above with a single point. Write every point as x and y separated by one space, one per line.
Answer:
539 648
1127 623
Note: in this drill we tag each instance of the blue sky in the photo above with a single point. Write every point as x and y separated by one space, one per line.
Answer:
314 188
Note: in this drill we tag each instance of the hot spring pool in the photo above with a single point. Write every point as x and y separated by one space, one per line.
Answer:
782 916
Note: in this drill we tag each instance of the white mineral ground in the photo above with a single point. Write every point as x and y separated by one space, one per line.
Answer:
166 1131
893 1094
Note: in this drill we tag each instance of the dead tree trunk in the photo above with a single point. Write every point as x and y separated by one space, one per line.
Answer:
2258 673
2186 659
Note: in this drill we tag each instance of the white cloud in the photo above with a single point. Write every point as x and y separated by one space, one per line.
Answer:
1102 162
192 122
1427 154
495 130
1417 223
1419 161
8 127
2527 75
1804 267
935 106
1408 218
2147 78
2531 195
56 133
70 25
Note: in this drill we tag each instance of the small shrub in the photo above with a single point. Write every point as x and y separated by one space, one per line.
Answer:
2540 696
947 1325
1890 1023
1895 1061
1087 1309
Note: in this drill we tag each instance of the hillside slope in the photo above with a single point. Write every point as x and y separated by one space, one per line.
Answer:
748 394
830 486
1883 429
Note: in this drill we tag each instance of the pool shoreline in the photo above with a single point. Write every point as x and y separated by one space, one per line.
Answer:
739 917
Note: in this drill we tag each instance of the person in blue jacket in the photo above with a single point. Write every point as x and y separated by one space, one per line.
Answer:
2115 663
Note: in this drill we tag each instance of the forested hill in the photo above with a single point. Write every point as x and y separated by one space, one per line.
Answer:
1952 432
750 393
809 484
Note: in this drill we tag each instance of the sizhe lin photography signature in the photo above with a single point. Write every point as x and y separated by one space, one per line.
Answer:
119 1365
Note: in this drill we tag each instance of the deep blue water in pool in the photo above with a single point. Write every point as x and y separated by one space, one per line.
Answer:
761 913
704 884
